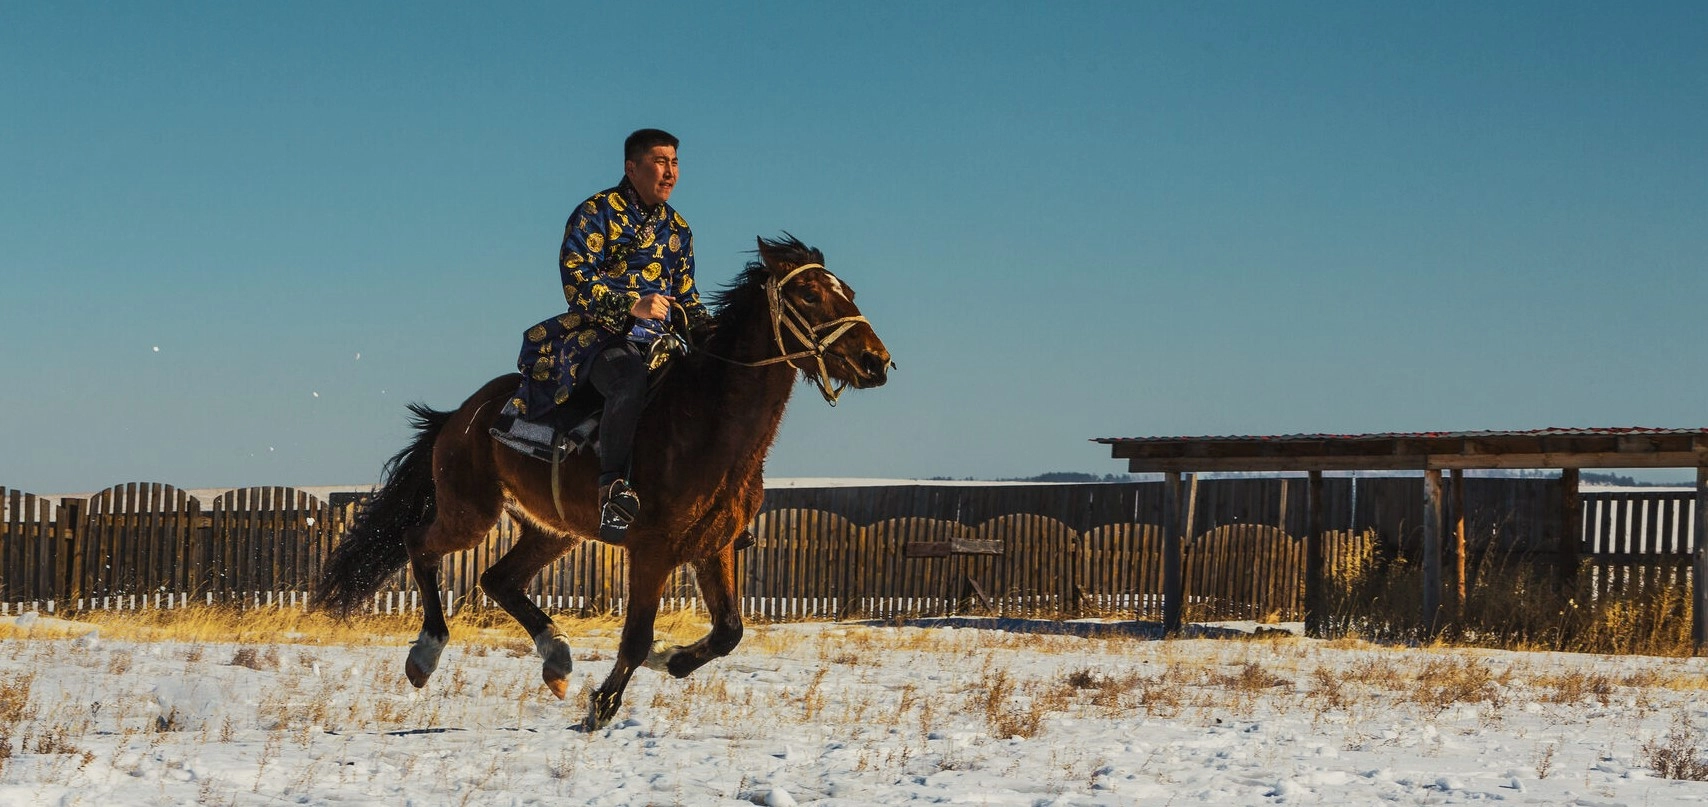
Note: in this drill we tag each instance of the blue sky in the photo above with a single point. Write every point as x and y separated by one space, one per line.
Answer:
1067 222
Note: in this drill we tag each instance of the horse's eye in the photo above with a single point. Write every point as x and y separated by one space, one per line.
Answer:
809 298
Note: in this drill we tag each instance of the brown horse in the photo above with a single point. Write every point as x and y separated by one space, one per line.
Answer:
699 458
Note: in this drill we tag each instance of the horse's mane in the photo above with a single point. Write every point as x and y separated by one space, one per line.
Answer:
731 301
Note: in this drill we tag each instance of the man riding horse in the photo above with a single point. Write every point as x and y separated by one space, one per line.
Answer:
627 265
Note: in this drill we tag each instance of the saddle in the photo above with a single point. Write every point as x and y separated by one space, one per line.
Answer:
573 426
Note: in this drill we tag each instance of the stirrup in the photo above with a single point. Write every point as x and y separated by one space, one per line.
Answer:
619 506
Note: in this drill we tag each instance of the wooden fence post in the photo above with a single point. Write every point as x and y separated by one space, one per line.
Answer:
1432 540
1699 569
1457 522
69 575
1173 587
1571 530
1316 598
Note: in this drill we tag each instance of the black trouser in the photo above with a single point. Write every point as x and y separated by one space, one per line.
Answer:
619 374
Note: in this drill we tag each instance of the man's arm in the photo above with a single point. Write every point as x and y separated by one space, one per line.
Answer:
581 260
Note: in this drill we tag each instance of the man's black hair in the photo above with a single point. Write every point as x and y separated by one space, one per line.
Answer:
645 140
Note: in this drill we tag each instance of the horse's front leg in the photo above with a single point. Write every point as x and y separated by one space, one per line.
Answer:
716 576
646 586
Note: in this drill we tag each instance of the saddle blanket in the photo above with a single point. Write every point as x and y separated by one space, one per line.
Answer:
543 441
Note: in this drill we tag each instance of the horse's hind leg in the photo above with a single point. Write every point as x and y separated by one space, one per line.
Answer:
427 548
505 582
716 576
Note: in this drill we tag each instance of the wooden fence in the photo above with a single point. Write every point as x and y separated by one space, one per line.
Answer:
880 552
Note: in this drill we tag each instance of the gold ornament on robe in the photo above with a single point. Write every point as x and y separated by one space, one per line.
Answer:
573 260
652 272
613 232
616 200
674 242
647 238
542 369
536 333
684 285
569 321
595 243
679 221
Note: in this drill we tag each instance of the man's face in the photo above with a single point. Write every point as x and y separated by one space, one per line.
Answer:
654 174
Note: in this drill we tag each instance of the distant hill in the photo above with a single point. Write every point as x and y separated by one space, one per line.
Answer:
1053 476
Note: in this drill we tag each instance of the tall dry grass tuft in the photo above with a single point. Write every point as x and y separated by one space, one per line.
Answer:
1447 681
1678 755
15 710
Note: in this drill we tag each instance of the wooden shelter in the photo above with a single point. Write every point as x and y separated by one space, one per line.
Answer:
1430 452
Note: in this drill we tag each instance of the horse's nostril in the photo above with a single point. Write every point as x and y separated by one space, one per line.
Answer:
873 364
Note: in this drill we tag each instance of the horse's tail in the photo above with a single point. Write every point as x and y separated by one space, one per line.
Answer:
373 548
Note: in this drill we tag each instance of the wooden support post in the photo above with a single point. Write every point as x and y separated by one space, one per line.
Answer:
1432 541
1699 570
1316 560
1458 522
1173 565
1571 530
71 513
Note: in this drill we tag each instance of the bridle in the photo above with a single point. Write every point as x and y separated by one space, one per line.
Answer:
818 337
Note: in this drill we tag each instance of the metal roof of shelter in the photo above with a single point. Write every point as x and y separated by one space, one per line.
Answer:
1633 447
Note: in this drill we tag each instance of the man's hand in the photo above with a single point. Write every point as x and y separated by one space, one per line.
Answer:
652 306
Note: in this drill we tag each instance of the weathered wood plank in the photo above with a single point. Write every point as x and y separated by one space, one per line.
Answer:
1432 541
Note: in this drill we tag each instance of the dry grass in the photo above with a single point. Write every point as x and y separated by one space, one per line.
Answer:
1514 603
488 629
1678 755
980 689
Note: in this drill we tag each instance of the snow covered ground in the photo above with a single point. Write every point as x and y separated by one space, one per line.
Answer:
846 714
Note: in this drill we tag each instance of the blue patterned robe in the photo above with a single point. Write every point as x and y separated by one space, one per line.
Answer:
615 250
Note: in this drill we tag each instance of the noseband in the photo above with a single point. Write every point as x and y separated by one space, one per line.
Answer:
818 337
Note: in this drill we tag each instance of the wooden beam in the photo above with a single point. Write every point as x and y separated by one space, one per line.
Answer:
1196 465
953 546
1432 540
1408 462
1699 570
1316 572
1173 565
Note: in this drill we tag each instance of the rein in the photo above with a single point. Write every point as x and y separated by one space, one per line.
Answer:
817 337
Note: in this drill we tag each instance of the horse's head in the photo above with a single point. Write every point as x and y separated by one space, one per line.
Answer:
816 321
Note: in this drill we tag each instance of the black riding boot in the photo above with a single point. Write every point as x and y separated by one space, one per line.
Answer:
619 374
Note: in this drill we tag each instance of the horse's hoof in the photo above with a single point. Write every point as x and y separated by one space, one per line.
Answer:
600 709
423 658
558 661
559 685
417 676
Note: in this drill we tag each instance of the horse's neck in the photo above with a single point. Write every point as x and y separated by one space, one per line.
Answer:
742 407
